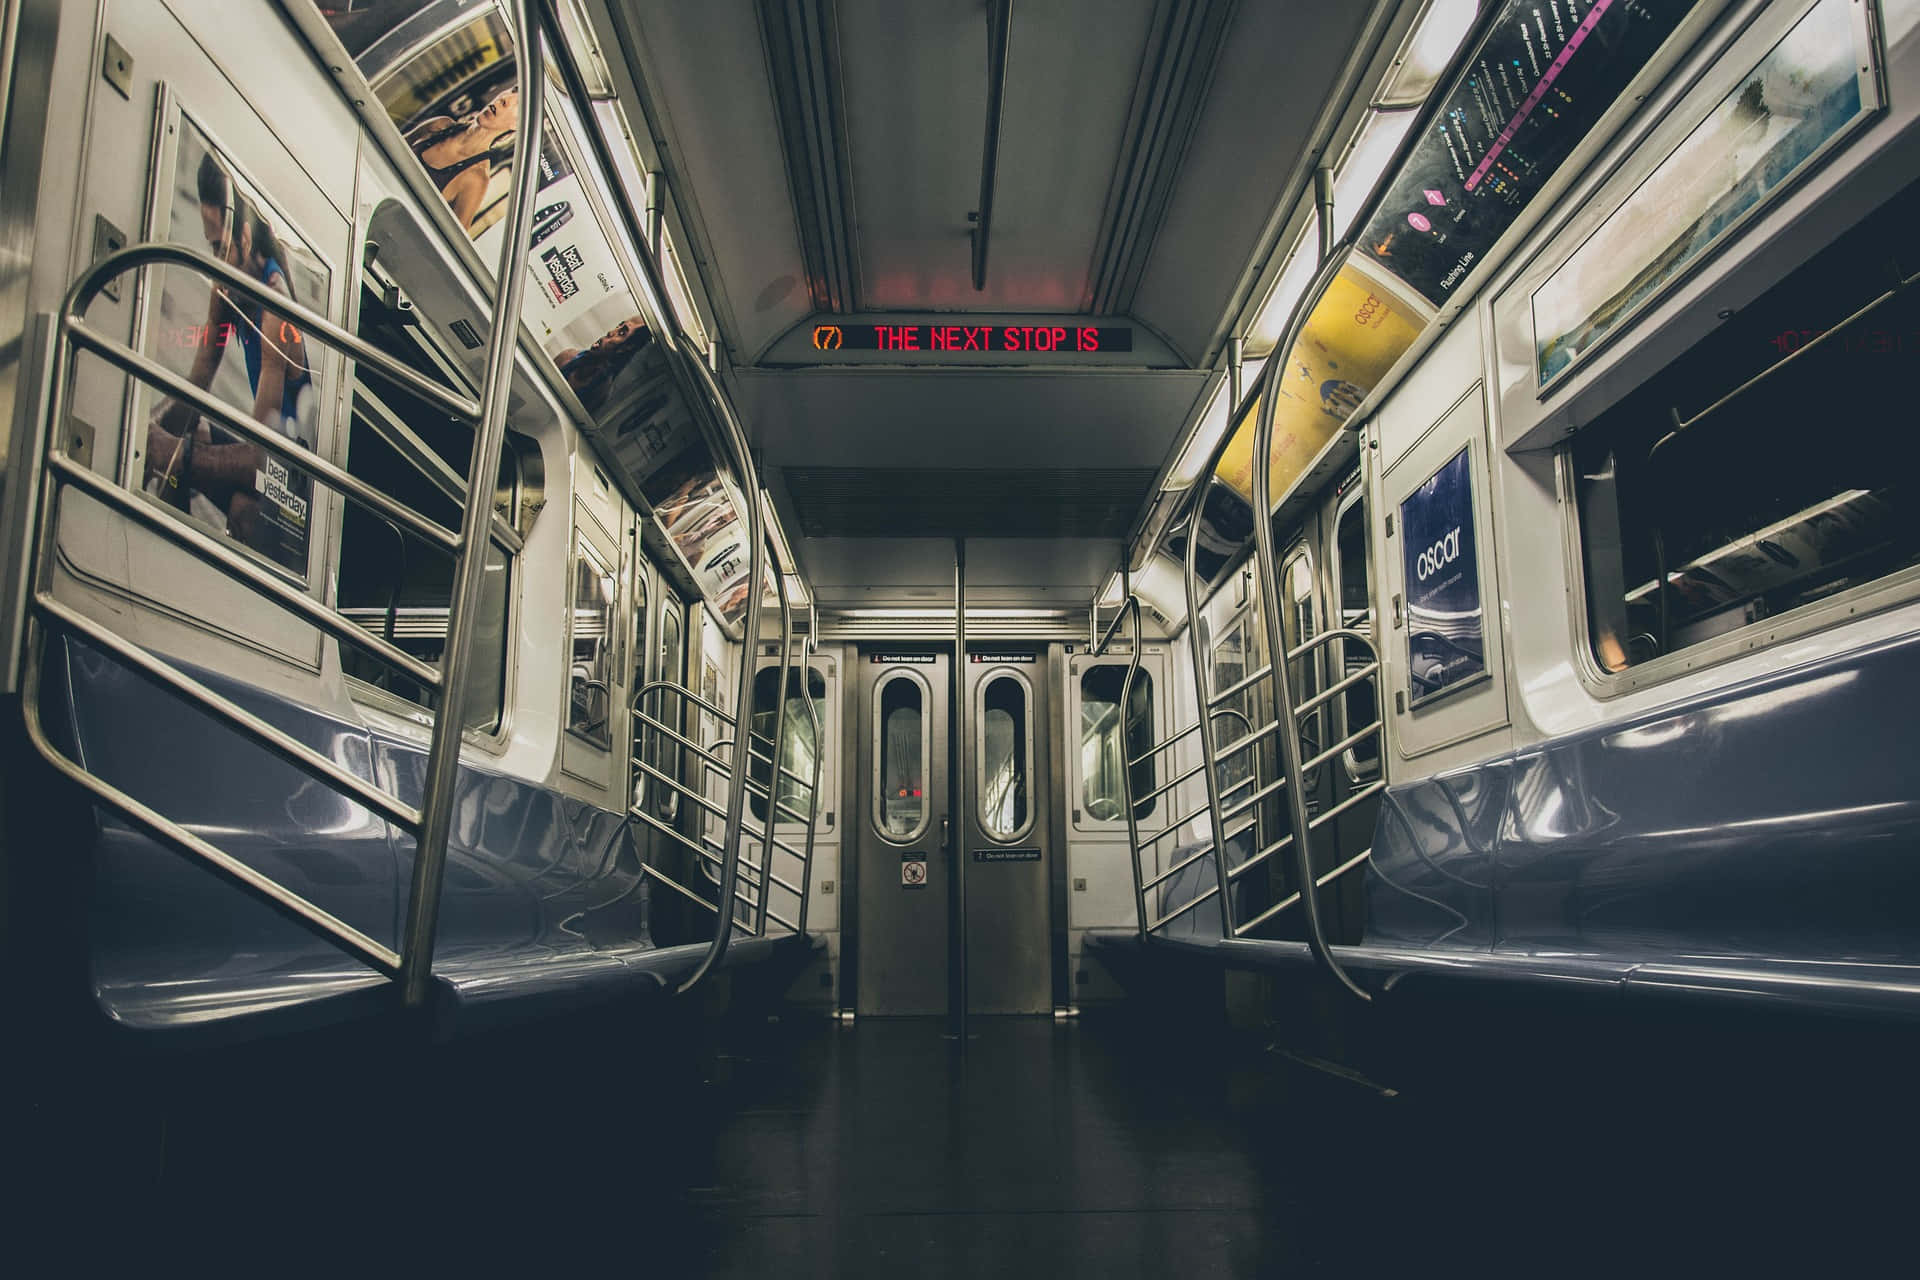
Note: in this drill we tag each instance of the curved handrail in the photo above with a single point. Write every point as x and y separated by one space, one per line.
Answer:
412 962
1267 557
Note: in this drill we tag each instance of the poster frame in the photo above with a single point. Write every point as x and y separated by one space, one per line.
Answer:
1417 700
1869 63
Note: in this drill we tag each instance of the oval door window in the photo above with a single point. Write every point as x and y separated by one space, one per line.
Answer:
900 759
1006 758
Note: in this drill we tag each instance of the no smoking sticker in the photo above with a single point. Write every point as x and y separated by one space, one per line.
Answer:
913 872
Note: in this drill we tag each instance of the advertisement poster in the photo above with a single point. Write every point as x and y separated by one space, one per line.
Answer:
1802 95
445 72
697 513
1546 73
1352 338
240 352
1446 623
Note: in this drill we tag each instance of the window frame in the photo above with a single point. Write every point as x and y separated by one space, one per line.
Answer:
1342 723
1829 614
586 551
877 737
1085 821
808 671
988 678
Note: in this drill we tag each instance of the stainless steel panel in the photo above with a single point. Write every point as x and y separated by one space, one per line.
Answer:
1009 926
900 929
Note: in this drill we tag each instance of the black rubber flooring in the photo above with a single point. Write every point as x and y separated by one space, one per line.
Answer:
1465 1137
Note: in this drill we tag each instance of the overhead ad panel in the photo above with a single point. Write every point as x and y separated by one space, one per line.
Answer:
1546 73
1356 332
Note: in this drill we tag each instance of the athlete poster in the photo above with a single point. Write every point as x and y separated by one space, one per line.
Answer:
1446 620
241 352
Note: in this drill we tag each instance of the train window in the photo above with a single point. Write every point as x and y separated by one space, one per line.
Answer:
393 583
799 746
1357 707
671 710
1238 653
900 759
639 651
1005 754
590 633
1720 494
1108 740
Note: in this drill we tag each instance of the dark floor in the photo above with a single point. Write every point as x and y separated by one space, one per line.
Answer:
1442 1137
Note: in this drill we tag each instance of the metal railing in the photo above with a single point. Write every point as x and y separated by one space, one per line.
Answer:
1290 782
411 963
653 722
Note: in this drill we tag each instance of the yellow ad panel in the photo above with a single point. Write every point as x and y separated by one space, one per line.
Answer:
1351 339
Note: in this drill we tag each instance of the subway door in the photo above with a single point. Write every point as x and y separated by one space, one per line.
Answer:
1008 833
899 941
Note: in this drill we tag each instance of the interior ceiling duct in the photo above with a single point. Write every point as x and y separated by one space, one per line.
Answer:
912 502
1182 49
802 39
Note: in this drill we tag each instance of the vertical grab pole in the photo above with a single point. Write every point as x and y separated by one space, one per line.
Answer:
779 736
956 805
813 786
443 753
1126 756
1287 729
1205 730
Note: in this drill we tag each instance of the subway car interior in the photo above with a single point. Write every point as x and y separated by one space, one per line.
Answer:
1152 685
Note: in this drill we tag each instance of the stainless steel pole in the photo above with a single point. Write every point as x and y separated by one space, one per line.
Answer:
443 753
1267 557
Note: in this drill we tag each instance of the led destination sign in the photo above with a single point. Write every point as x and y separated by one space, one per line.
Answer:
941 339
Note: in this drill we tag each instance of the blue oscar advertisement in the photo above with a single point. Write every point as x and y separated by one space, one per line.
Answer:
1446 624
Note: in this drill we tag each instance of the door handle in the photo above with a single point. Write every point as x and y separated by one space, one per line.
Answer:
946 835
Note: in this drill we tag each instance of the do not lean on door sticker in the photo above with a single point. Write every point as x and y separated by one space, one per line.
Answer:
913 872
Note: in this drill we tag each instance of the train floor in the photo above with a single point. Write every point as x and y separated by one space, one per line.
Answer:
1157 1138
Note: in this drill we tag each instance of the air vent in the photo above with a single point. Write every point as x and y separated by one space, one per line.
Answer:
1175 74
872 502
802 39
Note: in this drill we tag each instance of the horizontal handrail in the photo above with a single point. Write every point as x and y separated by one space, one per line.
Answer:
1234 873
1162 745
1347 634
1371 789
1171 783
724 766
132 362
1182 909
1348 741
84 290
1330 692
1322 882
1241 686
1178 867
1255 798
670 686
235 565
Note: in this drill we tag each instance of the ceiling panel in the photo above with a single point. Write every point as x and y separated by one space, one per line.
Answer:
965 417
1281 61
708 93
915 91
